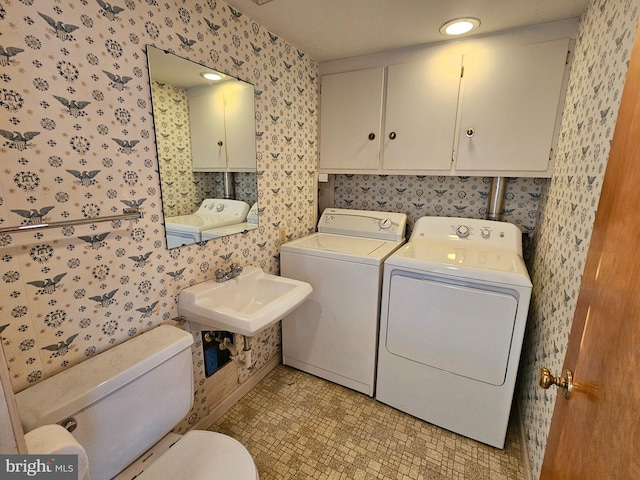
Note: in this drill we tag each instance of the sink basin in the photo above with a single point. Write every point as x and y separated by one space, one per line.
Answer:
246 304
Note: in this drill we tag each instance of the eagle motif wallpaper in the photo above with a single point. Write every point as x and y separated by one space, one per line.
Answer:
78 142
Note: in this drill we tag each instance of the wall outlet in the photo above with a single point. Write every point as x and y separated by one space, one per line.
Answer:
282 235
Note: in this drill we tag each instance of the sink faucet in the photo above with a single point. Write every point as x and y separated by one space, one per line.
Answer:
234 271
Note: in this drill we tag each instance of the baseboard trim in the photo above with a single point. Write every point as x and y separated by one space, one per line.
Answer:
221 408
524 446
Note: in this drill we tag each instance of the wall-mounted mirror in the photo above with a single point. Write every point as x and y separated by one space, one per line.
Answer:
205 136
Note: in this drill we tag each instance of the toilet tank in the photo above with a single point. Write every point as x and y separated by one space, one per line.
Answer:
123 400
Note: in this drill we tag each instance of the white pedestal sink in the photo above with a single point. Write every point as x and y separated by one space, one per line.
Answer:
245 304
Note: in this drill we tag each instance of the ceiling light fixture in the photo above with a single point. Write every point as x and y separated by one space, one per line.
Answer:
211 76
458 26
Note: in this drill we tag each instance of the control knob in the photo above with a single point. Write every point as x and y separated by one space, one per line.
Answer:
463 231
385 223
485 232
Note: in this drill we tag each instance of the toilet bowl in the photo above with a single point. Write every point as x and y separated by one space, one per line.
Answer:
201 455
121 403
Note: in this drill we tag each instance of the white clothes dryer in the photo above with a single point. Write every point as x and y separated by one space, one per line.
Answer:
334 333
454 307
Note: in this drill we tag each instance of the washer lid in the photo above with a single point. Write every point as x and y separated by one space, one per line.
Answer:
228 230
199 223
213 213
453 258
364 223
342 247
202 455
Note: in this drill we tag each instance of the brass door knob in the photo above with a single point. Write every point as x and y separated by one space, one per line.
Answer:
566 383
372 136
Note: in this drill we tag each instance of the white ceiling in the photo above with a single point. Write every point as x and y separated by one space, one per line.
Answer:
334 29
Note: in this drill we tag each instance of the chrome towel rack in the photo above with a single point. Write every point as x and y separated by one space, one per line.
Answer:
127 214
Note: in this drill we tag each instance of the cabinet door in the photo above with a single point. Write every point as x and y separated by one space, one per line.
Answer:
420 117
351 110
208 141
240 129
509 107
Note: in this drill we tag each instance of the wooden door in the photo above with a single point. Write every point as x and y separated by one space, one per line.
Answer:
596 433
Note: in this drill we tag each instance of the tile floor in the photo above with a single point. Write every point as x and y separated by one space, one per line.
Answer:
297 426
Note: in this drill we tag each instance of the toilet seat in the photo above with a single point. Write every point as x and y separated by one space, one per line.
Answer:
203 455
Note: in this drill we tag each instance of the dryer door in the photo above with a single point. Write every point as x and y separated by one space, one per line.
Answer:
460 327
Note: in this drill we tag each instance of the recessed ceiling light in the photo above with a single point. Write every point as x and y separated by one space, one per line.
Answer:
458 26
211 76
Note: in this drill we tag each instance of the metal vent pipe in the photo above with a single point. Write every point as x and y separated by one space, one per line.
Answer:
495 202
229 186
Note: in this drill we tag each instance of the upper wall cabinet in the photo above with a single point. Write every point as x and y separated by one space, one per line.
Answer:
412 130
222 122
420 114
483 113
206 120
351 109
509 110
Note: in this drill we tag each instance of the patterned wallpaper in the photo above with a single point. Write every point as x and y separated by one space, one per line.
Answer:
78 142
183 190
568 205
418 196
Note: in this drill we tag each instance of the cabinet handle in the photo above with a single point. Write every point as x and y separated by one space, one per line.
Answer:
372 136
392 135
219 143
470 132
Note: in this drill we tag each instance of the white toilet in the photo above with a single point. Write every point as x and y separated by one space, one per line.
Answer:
123 403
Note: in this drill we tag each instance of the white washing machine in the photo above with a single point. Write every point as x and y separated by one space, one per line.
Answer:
334 333
212 213
454 307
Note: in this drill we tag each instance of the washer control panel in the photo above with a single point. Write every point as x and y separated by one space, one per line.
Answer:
383 223
363 223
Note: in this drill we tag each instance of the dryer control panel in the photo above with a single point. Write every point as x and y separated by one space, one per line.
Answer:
464 231
472 231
